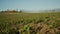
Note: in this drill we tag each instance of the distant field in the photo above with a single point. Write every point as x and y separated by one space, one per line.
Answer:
30 23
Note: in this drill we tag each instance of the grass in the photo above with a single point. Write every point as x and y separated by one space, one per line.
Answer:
13 23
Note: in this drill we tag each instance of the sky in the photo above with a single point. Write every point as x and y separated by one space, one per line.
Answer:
29 4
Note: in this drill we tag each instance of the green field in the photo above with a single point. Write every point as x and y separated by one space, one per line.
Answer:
30 23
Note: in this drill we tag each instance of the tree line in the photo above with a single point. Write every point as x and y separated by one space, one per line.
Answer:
11 11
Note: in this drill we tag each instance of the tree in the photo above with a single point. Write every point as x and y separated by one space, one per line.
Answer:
20 11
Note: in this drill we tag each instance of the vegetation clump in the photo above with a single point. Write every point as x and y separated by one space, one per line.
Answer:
29 23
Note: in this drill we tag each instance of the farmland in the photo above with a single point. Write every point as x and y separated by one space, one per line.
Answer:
30 23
